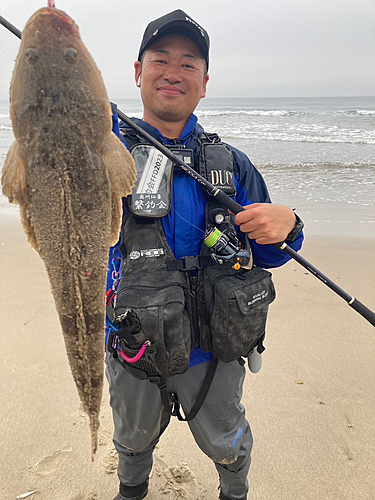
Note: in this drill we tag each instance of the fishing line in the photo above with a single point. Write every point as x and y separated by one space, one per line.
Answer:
185 220
10 57
169 204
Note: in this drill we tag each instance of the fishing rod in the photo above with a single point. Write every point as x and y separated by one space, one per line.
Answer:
234 207
9 26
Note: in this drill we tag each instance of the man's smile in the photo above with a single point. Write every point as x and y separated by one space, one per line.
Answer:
171 90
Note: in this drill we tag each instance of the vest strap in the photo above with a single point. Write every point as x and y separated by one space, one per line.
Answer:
188 263
171 402
201 396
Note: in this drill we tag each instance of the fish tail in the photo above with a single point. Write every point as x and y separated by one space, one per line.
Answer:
94 426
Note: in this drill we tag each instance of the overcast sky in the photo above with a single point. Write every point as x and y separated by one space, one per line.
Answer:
258 47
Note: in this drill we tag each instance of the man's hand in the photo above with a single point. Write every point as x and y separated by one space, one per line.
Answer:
266 223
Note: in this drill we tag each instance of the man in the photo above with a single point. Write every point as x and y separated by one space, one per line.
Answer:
161 269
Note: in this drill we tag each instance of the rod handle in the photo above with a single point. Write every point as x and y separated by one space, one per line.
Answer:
363 311
228 202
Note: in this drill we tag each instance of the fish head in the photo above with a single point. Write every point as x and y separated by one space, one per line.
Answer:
55 76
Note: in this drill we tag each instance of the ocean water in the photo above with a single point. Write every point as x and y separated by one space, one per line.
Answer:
316 154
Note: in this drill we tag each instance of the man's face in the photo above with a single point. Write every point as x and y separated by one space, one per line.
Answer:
172 79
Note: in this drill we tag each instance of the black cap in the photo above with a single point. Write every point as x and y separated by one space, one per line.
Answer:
176 23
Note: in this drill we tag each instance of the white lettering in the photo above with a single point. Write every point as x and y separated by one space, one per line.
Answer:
149 252
195 24
217 177
214 177
258 296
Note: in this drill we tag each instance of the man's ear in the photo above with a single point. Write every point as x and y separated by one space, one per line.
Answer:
137 73
204 89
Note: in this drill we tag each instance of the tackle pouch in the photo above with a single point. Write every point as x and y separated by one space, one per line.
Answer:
237 306
160 305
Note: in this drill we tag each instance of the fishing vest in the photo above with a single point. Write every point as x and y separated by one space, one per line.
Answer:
192 301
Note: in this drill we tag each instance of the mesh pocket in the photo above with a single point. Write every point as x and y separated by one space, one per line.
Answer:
153 362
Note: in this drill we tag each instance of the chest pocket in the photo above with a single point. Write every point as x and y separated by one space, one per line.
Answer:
152 193
216 163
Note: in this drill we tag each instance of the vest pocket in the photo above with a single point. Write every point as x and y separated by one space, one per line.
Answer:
237 306
153 363
163 316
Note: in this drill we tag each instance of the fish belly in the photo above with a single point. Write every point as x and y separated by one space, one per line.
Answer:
69 211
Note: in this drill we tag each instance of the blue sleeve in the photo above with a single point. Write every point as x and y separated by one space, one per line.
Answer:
114 264
115 122
251 188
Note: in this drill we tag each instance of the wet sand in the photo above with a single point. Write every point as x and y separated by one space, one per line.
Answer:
311 407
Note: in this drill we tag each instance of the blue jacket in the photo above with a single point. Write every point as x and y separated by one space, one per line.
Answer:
184 225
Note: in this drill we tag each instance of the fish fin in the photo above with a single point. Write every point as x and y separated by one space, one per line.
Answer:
120 166
122 176
116 218
13 179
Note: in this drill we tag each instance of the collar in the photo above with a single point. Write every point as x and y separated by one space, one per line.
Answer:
190 127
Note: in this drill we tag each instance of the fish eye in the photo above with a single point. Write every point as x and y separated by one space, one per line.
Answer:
71 55
31 55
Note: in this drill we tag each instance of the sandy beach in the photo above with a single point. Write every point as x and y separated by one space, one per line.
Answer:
311 407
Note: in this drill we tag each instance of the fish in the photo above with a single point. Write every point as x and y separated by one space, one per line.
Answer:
68 172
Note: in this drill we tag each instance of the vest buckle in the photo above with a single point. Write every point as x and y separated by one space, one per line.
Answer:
190 263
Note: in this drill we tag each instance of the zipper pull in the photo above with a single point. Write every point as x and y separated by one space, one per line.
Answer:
193 283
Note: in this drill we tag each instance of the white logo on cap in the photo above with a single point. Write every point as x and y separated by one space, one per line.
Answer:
195 24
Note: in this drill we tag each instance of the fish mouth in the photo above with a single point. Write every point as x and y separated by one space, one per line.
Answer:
53 19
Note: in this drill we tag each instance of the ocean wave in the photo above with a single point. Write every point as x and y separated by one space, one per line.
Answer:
5 127
134 115
253 112
285 112
295 137
366 112
335 167
2 115
350 112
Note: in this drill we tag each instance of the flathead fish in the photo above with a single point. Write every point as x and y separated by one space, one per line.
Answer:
68 172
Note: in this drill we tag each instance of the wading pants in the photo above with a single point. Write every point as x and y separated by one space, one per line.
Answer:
219 429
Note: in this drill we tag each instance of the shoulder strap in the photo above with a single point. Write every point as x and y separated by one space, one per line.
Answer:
209 138
131 137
